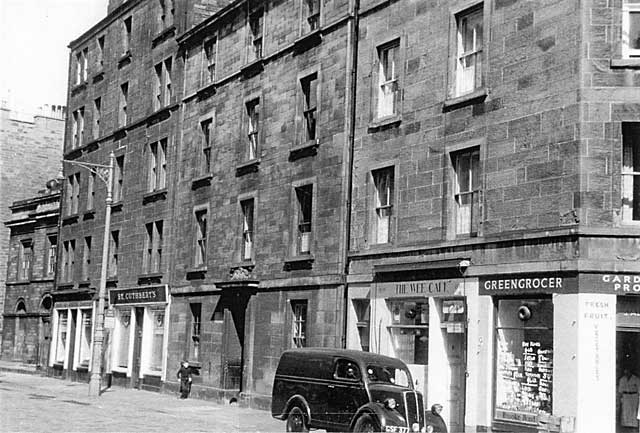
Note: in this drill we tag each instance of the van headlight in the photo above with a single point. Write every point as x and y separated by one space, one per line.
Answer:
415 427
390 403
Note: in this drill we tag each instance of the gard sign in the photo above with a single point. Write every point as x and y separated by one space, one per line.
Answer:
622 283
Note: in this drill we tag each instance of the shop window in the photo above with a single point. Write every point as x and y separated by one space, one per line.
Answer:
157 340
85 339
362 309
61 336
383 183
524 359
299 323
196 322
631 171
409 330
467 191
468 71
124 322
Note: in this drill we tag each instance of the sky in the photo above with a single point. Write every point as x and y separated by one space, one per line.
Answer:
34 36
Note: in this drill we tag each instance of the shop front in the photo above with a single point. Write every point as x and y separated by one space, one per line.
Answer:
424 323
138 333
72 337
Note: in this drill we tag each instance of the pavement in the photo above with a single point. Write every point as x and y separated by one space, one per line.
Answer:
31 402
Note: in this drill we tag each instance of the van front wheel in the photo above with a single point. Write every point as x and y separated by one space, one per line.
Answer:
366 423
296 421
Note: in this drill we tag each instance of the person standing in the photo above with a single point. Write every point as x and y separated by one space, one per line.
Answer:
435 420
628 388
184 374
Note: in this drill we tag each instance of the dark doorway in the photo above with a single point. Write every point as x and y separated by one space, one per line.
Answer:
233 307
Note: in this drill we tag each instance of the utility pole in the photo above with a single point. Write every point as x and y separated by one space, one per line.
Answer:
105 173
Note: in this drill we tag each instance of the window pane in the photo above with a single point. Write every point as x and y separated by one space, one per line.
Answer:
124 320
634 30
525 359
158 339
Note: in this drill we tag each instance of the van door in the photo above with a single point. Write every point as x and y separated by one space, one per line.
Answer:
346 394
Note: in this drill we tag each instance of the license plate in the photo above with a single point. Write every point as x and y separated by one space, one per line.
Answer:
396 429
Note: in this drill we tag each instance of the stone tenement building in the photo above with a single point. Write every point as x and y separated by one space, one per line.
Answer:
453 183
30 152
26 334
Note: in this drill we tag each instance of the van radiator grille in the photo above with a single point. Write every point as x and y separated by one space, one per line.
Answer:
414 407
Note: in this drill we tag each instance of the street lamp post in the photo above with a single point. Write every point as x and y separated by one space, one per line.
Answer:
105 173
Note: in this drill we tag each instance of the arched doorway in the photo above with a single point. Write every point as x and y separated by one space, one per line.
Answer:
20 331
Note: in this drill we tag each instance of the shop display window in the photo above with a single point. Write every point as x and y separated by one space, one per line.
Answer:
61 344
409 330
158 339
124 322
85 339
524 375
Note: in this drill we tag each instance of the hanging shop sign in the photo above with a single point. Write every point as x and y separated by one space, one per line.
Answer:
422 288
139 295
523 284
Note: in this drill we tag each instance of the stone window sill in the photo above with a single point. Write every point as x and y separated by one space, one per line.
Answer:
89 215
197 273
79 87
201 181
98 76
117 206
307 41
150 278
70 219
630 63
163 35
384 122
309 148
303 261
125 59
252 68
247 167
154 196
463 100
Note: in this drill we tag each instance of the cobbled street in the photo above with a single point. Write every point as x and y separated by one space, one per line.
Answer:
31 403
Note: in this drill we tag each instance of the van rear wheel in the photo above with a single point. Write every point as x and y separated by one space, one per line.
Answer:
296 421
366 423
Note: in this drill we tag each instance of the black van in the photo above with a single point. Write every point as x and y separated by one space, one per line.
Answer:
345 390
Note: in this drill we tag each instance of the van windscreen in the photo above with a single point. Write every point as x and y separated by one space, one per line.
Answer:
385 374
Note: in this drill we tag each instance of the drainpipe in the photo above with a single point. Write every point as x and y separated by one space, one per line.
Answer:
350 122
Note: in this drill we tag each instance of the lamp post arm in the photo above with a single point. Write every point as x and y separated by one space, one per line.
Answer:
101 170
98 334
